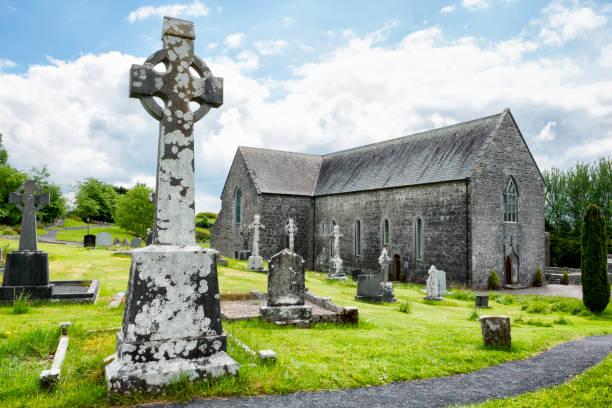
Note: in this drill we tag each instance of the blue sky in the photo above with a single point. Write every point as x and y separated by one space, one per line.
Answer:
310 76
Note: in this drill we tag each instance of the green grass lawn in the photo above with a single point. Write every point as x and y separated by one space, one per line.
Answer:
77 235
386 346
70 223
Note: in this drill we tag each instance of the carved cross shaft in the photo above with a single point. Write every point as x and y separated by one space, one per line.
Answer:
336 235
29 198
255 226
290 230
383 261
177 87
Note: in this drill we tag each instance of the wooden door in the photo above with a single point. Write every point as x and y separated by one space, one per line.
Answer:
398 267
508 270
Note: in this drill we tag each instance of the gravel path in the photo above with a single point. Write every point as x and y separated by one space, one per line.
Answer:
547 369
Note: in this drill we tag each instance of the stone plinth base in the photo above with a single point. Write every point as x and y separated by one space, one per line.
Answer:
336 272
26 268
495 331
255 264
437 299
10 293
388 295
286 314
125 377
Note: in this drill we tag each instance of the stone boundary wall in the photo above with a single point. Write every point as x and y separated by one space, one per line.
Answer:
553 274
342 315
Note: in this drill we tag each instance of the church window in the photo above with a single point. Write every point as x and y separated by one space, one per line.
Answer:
419 238
385 232
510 201
357 238
238 206
331 239
322 229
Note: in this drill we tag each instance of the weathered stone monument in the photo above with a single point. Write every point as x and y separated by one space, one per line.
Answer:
172 319
336 271
441 280
374 288
89 241
290 230
27 269
286 287
495 331
136 243
433 284
386 287
482 300
245 252
104 239
255 261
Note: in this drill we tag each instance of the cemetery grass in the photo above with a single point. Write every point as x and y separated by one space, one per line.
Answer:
386 346
77 235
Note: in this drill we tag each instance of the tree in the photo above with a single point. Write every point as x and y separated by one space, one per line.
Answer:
10 180
594 262
96 200
134 211
57 202
3 153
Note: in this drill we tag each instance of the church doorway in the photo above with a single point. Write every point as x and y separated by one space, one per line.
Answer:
508 270
397 271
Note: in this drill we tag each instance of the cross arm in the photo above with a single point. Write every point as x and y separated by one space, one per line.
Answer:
16 199
144 81
208 88
42 200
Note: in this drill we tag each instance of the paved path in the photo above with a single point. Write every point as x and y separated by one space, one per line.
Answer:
546 369
574 291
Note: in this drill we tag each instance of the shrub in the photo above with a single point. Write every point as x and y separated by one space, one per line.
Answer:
405 306
504 300
561 320
474 315
594 262
537 279
460 293
493 280
202 236
565 277
538 307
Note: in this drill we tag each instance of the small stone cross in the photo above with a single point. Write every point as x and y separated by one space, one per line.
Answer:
29 198
383 261
177 87
255 226
336 235
291 230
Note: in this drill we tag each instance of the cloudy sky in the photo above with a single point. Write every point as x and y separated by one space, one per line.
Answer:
306 76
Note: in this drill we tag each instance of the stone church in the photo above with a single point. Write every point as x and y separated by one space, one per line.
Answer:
468 198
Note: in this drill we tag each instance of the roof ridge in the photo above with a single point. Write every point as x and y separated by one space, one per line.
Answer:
390 141
279 151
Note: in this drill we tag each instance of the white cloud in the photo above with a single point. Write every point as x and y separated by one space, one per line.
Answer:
547 133
447 9
270 47
195 9
567 20
605 58
212 45
234 40
473 5
287 21
6 63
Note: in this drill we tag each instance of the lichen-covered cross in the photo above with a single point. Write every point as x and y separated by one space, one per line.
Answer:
291 230
255 226
29 198
336 235
383 261
177 87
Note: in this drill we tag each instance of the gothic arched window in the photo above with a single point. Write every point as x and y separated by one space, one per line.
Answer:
385 232
510 201
418 235
238 206
357 237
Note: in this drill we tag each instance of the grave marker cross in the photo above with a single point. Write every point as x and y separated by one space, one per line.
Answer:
177 87
29 198
255 226
336 234
290 230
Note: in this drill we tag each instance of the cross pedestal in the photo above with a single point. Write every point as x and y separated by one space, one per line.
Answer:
172 320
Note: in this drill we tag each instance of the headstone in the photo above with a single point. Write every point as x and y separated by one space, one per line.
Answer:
89 241
255 261
355 274
495 331
442 280
244 255
368 288
149 238
386 288
433 284
291 230
336 270
116 242
482 301
27 269
383 261
136 243
286 287
222 261
125 242
172 319
104 239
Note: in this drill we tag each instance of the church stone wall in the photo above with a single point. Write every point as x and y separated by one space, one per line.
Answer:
442 208
225 233
493 239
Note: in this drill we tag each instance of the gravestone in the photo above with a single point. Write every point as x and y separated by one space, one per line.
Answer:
172 325
104 239
255 261
136 243
495 331
482 301
89 241
245 252
286 287
27 269
368 288
125 242
336 271
116 242
149 238
433 284
442 280
383 261
291 229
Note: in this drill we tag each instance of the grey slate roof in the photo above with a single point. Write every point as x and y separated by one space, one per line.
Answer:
445 154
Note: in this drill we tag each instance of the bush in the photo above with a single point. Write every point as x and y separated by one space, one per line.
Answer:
493 280
405 307
202 236
474 315
565 277
537 279
594 262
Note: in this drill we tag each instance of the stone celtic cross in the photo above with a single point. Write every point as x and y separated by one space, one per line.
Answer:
383 261
29 198
336 235
291 230
255 226
177 87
